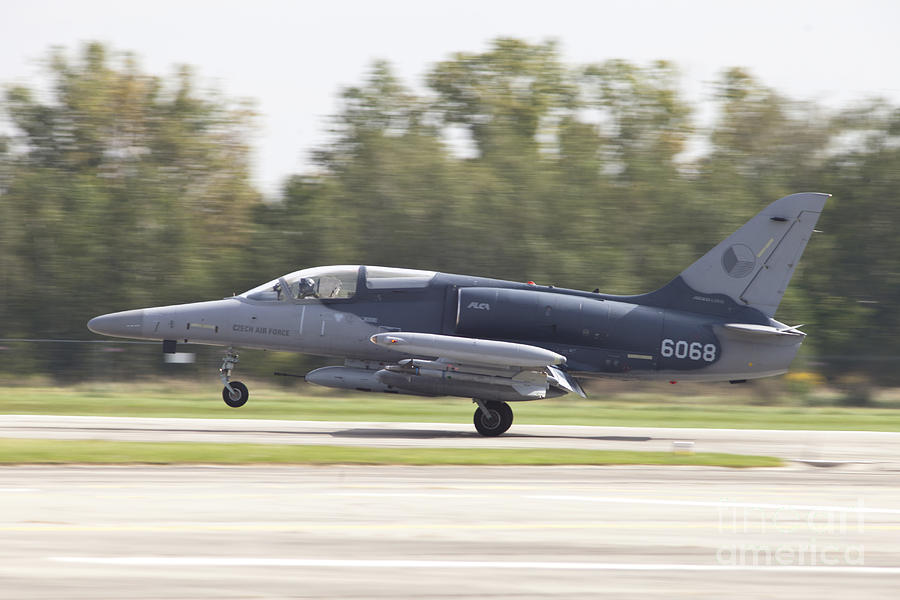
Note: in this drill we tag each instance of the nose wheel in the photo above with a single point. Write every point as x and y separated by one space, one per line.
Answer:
492 417
235 394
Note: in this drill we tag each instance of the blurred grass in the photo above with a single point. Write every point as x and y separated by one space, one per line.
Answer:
24 451
650 407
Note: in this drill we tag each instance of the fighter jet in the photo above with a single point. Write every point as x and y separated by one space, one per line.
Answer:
426 333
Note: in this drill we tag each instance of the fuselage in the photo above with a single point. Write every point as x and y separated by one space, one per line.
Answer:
674 333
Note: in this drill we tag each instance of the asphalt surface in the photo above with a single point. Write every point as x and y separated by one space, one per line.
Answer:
448 532
865 449
452 532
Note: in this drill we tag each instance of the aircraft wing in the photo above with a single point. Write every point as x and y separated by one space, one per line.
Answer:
459 362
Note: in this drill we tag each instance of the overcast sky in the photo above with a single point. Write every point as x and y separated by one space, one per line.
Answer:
293 58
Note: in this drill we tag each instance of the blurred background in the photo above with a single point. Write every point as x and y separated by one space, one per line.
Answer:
601 149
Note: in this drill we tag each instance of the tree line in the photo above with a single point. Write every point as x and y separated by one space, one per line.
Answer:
121 189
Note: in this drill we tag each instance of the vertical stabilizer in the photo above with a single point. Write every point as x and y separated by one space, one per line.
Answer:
754 265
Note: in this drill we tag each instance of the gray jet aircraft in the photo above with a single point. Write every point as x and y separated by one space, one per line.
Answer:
436 334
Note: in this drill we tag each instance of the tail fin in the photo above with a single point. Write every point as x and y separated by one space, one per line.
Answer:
754 265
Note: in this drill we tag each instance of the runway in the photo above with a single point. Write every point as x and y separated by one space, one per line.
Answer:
447 532
862 449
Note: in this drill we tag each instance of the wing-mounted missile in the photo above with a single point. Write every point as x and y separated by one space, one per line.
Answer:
442 374
348 378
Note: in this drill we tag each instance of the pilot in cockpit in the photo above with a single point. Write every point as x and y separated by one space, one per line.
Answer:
306 287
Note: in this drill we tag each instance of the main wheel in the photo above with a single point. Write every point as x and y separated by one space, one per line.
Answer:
496 420
238 397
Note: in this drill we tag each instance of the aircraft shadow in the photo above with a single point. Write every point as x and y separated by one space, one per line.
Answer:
369 433
437 434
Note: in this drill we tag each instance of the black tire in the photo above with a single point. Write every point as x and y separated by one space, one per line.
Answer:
240 397
497 420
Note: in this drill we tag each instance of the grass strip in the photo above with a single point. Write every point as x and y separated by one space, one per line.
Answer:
176 400
29 451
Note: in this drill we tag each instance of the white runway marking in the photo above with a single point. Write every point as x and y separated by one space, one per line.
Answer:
722 504
859 508
203 561
406 495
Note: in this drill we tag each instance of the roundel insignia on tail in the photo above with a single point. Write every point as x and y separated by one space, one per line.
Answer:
738 261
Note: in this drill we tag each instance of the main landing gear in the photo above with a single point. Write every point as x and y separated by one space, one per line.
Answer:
492 417
235 393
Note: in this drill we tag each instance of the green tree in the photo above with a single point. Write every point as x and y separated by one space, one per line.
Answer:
507 95
509 102
763 145
853 278
395 194
123 190
647 211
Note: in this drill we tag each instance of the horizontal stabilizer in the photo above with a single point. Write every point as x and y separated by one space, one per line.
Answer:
764 330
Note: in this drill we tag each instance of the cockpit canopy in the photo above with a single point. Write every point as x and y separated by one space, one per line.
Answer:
339 281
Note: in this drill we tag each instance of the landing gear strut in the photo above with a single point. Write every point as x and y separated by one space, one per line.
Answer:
492 417
235 393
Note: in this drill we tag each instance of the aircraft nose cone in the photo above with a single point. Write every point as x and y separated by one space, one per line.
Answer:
128 323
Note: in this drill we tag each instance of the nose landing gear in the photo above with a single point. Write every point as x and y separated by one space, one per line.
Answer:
235 393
